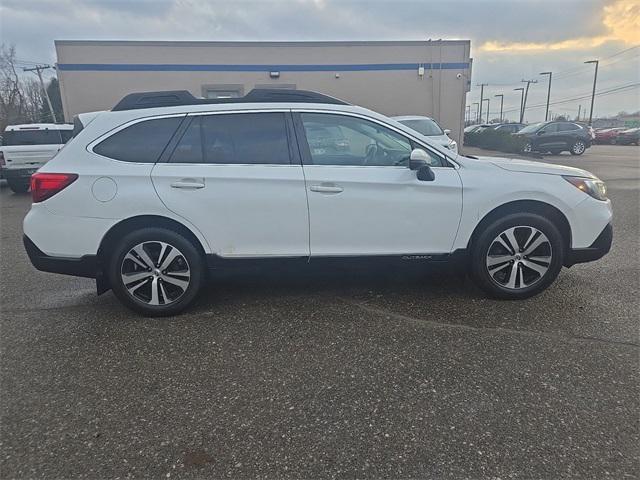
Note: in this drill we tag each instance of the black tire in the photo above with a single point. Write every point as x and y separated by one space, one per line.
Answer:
17 185
195 265
578 147
485 241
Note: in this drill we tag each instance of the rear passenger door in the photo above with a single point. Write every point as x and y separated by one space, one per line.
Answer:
238 179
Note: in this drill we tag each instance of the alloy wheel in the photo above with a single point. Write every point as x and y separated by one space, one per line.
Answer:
155 273
527 148
519 257
579 147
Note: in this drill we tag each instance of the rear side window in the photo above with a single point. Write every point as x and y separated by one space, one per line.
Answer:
32 137
238 138
566 126
142 142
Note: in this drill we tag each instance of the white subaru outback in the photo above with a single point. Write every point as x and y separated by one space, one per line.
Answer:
147 197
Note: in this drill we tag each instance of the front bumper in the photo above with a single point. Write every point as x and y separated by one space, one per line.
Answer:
85 266
598 249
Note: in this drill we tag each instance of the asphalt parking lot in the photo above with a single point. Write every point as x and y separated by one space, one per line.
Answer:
369 373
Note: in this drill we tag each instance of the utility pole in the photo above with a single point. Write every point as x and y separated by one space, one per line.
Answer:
546 115
593 94
526 93
521 100
482 85
501 104
579 108
487 99
477 111
468 113
38 69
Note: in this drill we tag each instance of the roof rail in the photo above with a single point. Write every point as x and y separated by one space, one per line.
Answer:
174 98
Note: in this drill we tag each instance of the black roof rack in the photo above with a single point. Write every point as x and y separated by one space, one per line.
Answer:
174 98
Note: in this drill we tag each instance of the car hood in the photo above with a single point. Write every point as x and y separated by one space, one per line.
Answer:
527 166
440 140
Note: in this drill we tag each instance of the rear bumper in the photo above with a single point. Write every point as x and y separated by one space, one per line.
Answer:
598 249
85 266
19 173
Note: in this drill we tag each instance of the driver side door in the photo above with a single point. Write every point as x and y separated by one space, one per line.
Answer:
363 199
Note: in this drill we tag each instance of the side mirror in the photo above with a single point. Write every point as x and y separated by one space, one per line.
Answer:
418 158
447 131
419 161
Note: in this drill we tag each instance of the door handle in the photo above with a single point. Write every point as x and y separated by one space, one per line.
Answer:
326 188
188 184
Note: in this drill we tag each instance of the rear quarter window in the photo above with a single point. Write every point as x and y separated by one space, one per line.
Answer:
142 142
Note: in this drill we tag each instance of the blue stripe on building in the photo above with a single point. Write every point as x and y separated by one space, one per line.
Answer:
352 67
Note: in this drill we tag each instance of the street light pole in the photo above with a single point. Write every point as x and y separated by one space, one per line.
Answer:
487 99
477 111
501 104
593 93
546 115
521 101
526 94
482 85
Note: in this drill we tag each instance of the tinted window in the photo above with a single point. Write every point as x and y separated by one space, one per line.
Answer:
343 140
66 135
425 126
239 138
550 128
531 128
32 137
142 142
566 126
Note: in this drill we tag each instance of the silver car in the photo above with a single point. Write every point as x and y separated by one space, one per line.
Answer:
428 127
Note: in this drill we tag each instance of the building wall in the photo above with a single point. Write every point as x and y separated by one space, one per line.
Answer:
382 76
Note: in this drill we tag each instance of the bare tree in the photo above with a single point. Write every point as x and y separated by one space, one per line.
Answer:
12 99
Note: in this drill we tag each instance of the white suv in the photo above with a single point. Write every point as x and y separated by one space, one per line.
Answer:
149 196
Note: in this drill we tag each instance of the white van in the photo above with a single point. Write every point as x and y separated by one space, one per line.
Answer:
25 148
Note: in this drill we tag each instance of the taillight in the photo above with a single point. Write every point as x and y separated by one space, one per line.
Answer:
46 185
2 162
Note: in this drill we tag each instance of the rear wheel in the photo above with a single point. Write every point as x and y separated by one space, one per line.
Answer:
517 256
17 185
156 272
578 147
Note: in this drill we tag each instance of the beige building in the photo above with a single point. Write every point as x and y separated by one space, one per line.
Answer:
392 77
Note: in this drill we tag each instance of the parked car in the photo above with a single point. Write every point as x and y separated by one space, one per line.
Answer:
25 148
608 135
474 128
629 137
428 127
556 137
147 200
509 127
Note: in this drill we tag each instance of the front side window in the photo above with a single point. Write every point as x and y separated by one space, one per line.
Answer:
343 140
550 128
567 126
534 127
237 138
142 142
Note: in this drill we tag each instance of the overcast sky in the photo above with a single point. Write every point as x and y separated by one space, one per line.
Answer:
511 39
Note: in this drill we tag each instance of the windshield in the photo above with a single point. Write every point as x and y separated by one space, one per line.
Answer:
425 126
531 128
34 137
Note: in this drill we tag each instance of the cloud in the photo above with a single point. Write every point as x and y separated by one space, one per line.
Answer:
621 19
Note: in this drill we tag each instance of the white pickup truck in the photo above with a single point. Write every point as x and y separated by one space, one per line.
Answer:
25 148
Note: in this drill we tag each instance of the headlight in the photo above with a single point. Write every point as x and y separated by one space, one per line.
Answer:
453 146
591 186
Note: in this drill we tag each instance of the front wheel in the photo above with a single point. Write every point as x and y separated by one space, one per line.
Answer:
517 256
18 186
156 272
528 147
578 147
